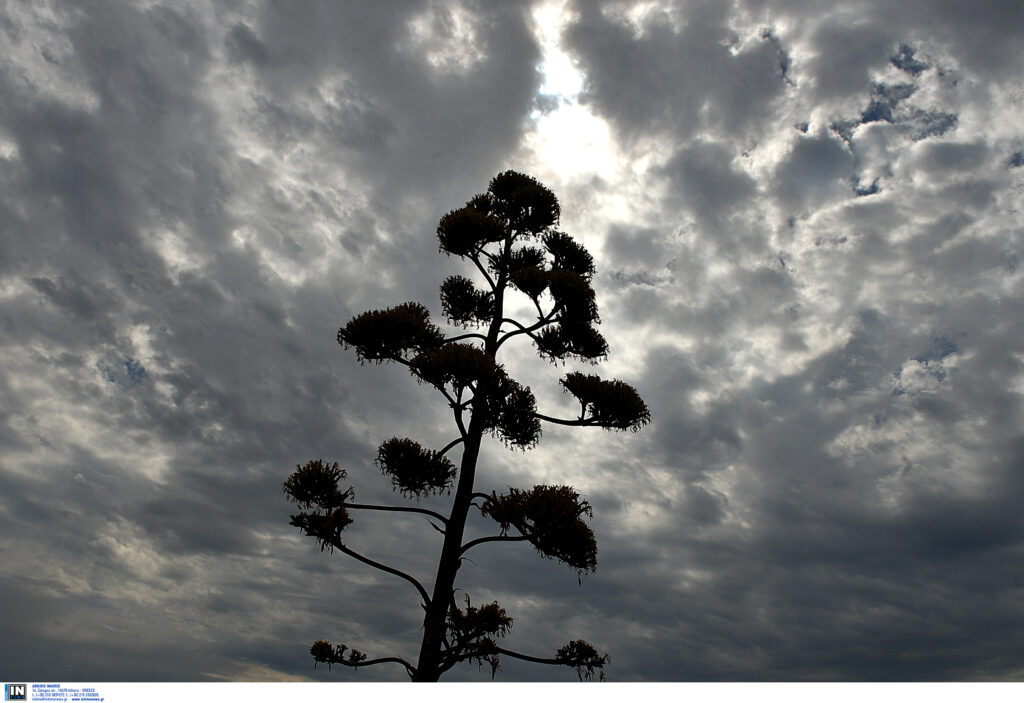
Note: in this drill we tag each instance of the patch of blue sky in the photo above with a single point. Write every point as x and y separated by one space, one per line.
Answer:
133 373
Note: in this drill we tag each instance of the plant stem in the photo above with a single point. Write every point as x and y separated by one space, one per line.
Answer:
429 665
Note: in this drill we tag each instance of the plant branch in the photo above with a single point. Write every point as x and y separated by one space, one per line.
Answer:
450 445
457 407
397 509
388 569
580 422
536 304
483 496
459 423
496 538
468 335
542 321
527 657
448 396
476 260
517 323
490 257
522 330
526 331
409 668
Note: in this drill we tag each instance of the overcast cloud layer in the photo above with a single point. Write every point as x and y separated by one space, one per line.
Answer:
806 219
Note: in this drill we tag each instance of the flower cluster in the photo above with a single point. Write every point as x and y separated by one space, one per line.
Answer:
464 231
526 205
314 487
323 651
463 303
459 365
611 404
473 630
414 469
510 409
551 518
566 339
387 335
581 655
568 255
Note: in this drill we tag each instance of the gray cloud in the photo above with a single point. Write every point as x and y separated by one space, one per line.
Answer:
703 178
816 172
649 83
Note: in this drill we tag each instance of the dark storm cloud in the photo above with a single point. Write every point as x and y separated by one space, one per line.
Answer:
183 376
946 158
817 170
704 179
648 84
845 55
805 571
637 247
856 503
694 441
402 118
243 45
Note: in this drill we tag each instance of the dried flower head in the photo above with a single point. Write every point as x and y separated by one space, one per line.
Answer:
457 364
569 255
582 656
551 518
415 470
462 232
463 303
386 335
612 404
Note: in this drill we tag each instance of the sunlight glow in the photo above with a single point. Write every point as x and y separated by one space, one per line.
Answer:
561 77
569 139
572 141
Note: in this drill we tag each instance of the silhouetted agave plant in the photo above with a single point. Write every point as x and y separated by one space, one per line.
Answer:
507 235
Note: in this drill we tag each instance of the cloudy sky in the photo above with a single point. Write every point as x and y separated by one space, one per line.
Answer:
806 219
